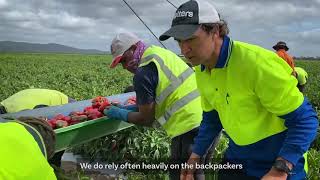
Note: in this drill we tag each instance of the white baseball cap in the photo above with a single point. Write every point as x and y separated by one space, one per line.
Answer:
188 18
121 43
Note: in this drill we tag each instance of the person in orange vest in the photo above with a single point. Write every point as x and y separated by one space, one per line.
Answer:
281 49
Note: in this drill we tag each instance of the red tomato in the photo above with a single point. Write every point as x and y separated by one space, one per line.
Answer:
61 124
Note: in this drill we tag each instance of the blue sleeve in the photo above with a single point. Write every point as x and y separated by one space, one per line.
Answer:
209 128
145 82
302 127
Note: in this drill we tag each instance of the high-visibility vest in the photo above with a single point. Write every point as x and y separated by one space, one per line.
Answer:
29 98
302 75
22 153
178 104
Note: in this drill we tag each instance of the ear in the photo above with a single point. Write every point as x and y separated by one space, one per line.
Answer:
212 34
216 34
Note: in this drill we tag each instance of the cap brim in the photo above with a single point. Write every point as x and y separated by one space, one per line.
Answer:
115 61
180 32
275 47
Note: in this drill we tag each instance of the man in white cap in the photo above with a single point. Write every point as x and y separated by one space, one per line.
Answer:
269 123
166 91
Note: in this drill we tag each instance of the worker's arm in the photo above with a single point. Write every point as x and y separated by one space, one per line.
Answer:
145 83
302 126
302 129
277 92
209 128
145 115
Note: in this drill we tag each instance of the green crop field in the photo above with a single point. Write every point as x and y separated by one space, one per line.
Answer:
78 76
86 76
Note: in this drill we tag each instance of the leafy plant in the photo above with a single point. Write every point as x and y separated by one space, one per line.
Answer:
136 144
314 164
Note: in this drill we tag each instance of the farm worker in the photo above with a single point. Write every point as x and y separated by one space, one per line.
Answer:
166 91
269 123
302 77
281 49
35 98
26 144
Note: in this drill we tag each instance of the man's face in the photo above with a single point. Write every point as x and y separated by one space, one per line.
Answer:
199 48
127 61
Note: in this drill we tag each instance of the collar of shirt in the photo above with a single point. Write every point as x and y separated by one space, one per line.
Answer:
225 52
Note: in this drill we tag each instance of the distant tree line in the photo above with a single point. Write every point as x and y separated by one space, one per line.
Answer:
307 58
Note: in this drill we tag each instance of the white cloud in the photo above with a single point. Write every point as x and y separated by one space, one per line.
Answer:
65 20
3 3
312 35
16 15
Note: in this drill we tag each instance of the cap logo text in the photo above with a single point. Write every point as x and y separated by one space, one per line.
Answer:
183 14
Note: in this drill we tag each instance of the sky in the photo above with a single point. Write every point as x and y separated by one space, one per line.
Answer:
92 24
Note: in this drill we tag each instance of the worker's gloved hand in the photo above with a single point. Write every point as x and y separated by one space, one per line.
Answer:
132 107
117 113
